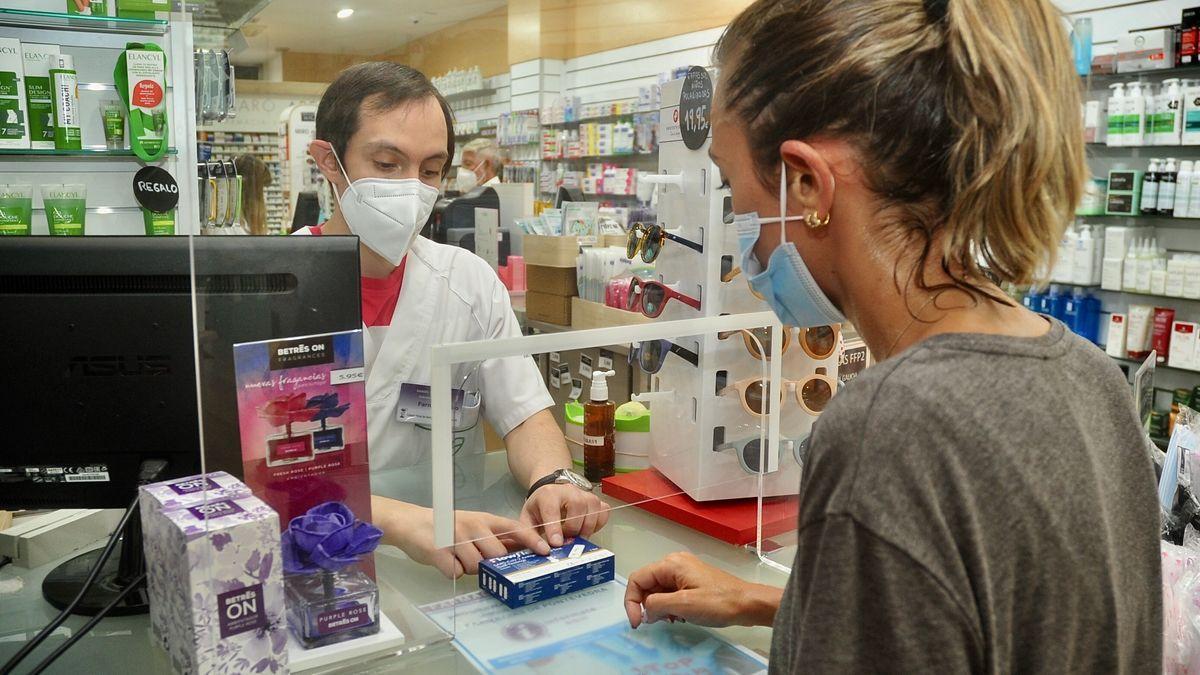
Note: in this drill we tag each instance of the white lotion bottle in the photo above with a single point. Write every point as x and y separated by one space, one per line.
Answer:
1166 188
1129 274
1085 257
1183 188
1116 115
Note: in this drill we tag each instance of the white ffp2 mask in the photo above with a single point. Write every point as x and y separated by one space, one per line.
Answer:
386 213
466 180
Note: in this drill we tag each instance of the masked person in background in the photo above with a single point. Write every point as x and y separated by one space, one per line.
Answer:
982 500
384 144
482 163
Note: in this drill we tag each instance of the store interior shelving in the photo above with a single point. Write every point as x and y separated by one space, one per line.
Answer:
265 145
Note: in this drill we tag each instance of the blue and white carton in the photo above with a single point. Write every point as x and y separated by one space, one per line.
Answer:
523 578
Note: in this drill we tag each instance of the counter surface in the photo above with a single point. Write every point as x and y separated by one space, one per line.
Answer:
124 644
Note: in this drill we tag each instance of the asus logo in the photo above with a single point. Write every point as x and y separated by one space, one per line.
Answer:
119 366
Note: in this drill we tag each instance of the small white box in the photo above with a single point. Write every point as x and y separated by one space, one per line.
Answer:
1117 239
1183 346
1146 50
1110 274
1175 276
1158 282
1114 345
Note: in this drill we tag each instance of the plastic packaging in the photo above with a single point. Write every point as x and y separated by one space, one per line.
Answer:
113 115
1150 189
1168 122
599 429
1164 317
1116 116
64 84
1166 188
16 209
1115 344
1183 188
1191 113
66 208
1137 341
40 97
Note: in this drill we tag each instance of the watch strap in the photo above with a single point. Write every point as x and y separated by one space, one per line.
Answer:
548 479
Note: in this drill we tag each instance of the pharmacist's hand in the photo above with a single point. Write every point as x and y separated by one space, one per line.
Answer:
82 4
479 536
682 588
563 511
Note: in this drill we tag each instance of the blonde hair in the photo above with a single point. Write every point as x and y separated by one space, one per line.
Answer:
965 114
256 177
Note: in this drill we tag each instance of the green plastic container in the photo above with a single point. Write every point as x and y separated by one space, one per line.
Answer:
16 209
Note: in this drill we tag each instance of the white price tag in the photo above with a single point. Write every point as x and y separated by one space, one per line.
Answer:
605 362
576 389
564 375
585 366
555 357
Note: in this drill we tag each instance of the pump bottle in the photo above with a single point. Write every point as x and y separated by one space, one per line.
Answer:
1116 115
1167 178
599 430
1150 189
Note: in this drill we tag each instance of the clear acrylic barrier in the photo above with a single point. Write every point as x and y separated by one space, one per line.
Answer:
286 405
703 437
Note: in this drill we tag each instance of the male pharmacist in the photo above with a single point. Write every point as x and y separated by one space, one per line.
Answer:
481 164
384 145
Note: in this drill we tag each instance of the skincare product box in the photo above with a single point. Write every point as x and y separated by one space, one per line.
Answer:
1183 346
1115 343
222 572
38 93
523 578
14 132
153 501
1124 193
1110 274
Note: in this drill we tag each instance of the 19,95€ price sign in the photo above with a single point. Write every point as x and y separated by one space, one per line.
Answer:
695 106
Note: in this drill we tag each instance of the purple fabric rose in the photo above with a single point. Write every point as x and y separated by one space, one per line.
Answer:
327 537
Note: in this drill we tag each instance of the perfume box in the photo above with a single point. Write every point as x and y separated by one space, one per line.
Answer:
158 498
221 576
523 578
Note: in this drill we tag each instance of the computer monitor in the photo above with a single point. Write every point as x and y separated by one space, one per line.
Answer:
99 346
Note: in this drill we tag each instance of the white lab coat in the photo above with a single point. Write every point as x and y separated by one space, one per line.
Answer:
448 295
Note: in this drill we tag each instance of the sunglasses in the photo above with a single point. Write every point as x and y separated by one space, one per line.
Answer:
650 355
649 239
819 342
812 393
749 453
650 297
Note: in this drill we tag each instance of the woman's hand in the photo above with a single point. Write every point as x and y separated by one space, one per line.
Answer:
477 536
680 587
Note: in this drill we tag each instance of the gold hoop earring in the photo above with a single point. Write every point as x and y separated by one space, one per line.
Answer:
814 222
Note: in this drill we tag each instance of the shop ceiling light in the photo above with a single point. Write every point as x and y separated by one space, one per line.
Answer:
344 13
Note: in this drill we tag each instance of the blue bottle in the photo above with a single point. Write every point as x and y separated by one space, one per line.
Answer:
1092 311
1072 310
1056 304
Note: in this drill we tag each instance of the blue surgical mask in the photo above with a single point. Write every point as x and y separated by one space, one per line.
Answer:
786 284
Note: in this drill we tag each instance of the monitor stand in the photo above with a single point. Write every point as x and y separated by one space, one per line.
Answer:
64 582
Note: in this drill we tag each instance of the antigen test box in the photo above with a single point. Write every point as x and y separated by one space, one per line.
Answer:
523 578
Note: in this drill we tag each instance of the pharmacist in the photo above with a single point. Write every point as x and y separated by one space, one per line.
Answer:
481 165
384 145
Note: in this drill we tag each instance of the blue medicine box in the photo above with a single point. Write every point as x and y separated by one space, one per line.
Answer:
523 578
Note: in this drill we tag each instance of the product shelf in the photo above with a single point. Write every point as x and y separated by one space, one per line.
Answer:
23 18
1160 366
600 118
1097 288
1096 80
469 94
86 152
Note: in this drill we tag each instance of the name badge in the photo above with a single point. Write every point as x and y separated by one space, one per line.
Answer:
415 404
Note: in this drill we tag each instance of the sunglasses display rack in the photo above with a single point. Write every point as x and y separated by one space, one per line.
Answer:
705 435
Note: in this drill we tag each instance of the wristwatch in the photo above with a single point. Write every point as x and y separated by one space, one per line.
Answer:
561 477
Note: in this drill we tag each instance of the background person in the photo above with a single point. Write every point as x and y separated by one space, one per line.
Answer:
482 164
256 178
982 500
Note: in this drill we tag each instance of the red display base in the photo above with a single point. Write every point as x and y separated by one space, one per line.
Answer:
731 520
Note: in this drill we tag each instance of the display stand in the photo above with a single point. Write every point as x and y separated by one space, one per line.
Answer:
689 427
95 43
388 639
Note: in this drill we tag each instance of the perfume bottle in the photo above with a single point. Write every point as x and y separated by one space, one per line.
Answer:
326 607
328 438
287 449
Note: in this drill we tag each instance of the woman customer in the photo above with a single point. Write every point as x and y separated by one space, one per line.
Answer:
256 178
982 500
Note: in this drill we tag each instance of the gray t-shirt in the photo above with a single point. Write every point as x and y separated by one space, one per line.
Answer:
977 504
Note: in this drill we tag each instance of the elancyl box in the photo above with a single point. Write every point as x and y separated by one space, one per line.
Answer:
523 578
222 577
